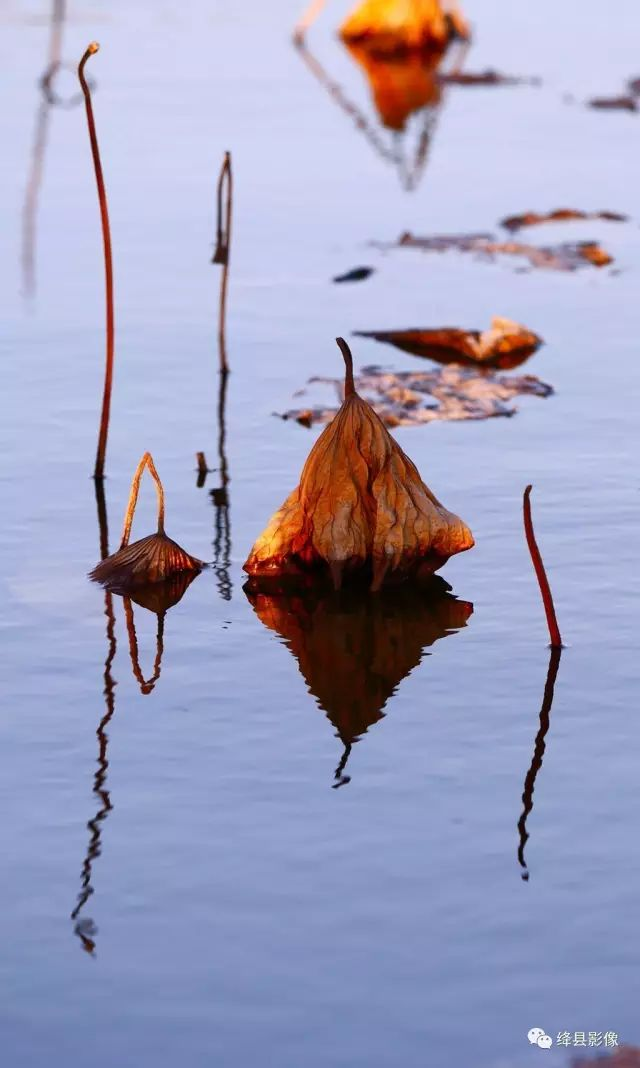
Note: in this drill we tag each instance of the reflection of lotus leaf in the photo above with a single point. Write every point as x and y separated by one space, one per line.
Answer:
159 597
399 85
354 648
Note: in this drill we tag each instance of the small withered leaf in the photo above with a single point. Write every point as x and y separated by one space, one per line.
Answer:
149 560
360 505
155 558
505 344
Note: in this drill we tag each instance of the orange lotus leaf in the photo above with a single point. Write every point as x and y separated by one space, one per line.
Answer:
361 506
402 25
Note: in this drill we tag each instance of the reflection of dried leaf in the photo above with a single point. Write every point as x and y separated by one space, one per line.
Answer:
568 256
354 649
634 86
159 597
534 218
361 504
395 26
152 559
400 85
506 344
412 398
485 77
613 103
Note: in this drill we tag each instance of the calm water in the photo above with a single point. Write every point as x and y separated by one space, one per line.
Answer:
239 910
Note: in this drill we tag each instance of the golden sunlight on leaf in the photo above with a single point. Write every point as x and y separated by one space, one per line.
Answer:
155 558
395 26
505 344
360 506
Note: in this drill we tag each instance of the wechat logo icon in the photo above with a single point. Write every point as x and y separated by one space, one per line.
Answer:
537 1037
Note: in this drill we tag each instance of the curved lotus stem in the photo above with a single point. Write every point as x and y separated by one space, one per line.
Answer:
543 582
146 461
108 265
349 387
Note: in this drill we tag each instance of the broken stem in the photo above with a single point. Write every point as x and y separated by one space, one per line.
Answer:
98 472
349 387
543 582
222 251
146 461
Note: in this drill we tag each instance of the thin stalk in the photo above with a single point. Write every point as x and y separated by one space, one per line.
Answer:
98 472
223 250
543 582
146 461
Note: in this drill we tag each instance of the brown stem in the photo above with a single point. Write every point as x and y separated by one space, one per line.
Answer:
108 265
349 387
223 250
146 461
543 582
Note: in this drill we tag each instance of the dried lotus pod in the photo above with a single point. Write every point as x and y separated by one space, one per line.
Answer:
360 506
151 559
397 26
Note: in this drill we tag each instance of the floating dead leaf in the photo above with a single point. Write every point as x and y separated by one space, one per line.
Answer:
567 256
624 102
399 26
353 648
361 506
155 558
413 398
485 77
400 85
534 218
506 344
356 274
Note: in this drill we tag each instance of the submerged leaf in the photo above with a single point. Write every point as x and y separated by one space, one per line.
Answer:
413 398
506 344
568 256
360 505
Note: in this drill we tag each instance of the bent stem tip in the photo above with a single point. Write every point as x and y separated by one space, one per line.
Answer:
541 575
349 386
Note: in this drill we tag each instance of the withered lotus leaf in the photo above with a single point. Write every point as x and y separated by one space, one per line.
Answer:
505 344
360 504
155 558
395 26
